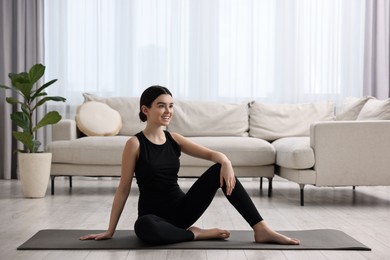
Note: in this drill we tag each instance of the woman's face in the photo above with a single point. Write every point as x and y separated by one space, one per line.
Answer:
161 110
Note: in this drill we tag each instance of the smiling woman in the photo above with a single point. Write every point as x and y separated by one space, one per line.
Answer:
274 51
166 213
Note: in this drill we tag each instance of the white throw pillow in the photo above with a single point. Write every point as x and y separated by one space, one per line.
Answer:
98 119
351 108
274 121
375 109
128 108
209 118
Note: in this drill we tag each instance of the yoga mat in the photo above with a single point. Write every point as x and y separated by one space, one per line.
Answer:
61 239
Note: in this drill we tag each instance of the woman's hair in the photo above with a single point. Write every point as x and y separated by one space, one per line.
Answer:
148 96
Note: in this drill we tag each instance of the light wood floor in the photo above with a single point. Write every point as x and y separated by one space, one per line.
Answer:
363 214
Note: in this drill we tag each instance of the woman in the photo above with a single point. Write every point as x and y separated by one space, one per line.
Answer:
165 213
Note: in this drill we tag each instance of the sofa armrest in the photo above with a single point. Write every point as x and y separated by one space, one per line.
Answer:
65 129
351 152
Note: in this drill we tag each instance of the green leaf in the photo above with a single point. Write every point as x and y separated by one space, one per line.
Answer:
35 146
13 101
36 72
21 120
45 99
49 119
19 77
38 92
5 87
24 138
23 88
26 109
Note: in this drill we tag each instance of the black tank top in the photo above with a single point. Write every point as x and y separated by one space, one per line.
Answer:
156 172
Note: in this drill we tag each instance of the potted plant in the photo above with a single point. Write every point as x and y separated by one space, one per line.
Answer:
33 165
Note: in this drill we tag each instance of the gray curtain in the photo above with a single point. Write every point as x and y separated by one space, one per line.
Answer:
21 46
377 49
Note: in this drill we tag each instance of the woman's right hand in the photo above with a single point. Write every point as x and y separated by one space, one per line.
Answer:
100 236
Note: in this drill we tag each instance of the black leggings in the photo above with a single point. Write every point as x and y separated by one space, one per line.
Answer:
171 227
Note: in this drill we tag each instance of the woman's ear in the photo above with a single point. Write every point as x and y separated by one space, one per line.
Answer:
144 109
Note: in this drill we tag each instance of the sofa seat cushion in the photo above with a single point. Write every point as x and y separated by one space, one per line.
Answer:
294 152
97 150
107 150
242 151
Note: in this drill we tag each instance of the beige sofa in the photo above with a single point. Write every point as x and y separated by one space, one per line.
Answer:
304 143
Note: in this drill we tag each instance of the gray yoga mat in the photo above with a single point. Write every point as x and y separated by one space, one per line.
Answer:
61 239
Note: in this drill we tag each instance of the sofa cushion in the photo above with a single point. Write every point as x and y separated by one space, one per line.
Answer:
91 150
294 152
274 121
351 108
94 150
242 151
98 119
375 109
202 118
128 108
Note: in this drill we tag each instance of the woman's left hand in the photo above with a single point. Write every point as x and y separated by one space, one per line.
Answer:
227 177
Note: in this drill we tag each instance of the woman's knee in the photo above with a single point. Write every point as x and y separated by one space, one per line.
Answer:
216 167
214 170
155 230
144 226
150 229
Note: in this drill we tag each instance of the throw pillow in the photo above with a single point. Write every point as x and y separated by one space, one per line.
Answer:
209 118
351 108
375 109
274 121
98 119
128 108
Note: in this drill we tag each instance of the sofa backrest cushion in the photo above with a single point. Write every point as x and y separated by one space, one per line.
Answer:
209 118
274 121
375 109
95 118
351 108
128 108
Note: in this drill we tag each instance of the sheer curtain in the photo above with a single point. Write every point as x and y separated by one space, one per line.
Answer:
272 51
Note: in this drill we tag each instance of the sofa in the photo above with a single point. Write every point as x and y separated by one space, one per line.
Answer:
305 143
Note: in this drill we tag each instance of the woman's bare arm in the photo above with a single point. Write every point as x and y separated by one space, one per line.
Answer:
199 151
129 158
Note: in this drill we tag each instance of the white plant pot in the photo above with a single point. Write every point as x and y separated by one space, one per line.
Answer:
34 173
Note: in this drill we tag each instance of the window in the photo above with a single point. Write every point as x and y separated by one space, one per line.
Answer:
275 51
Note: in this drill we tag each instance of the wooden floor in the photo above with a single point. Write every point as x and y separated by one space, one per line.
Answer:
363 214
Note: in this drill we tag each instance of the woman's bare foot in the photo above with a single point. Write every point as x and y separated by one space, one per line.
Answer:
263 234
206 234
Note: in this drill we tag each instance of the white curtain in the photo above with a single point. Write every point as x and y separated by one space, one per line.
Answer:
284 51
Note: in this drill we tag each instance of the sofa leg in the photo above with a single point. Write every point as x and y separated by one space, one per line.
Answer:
302 186
269 187
261 183
70 182
52 184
